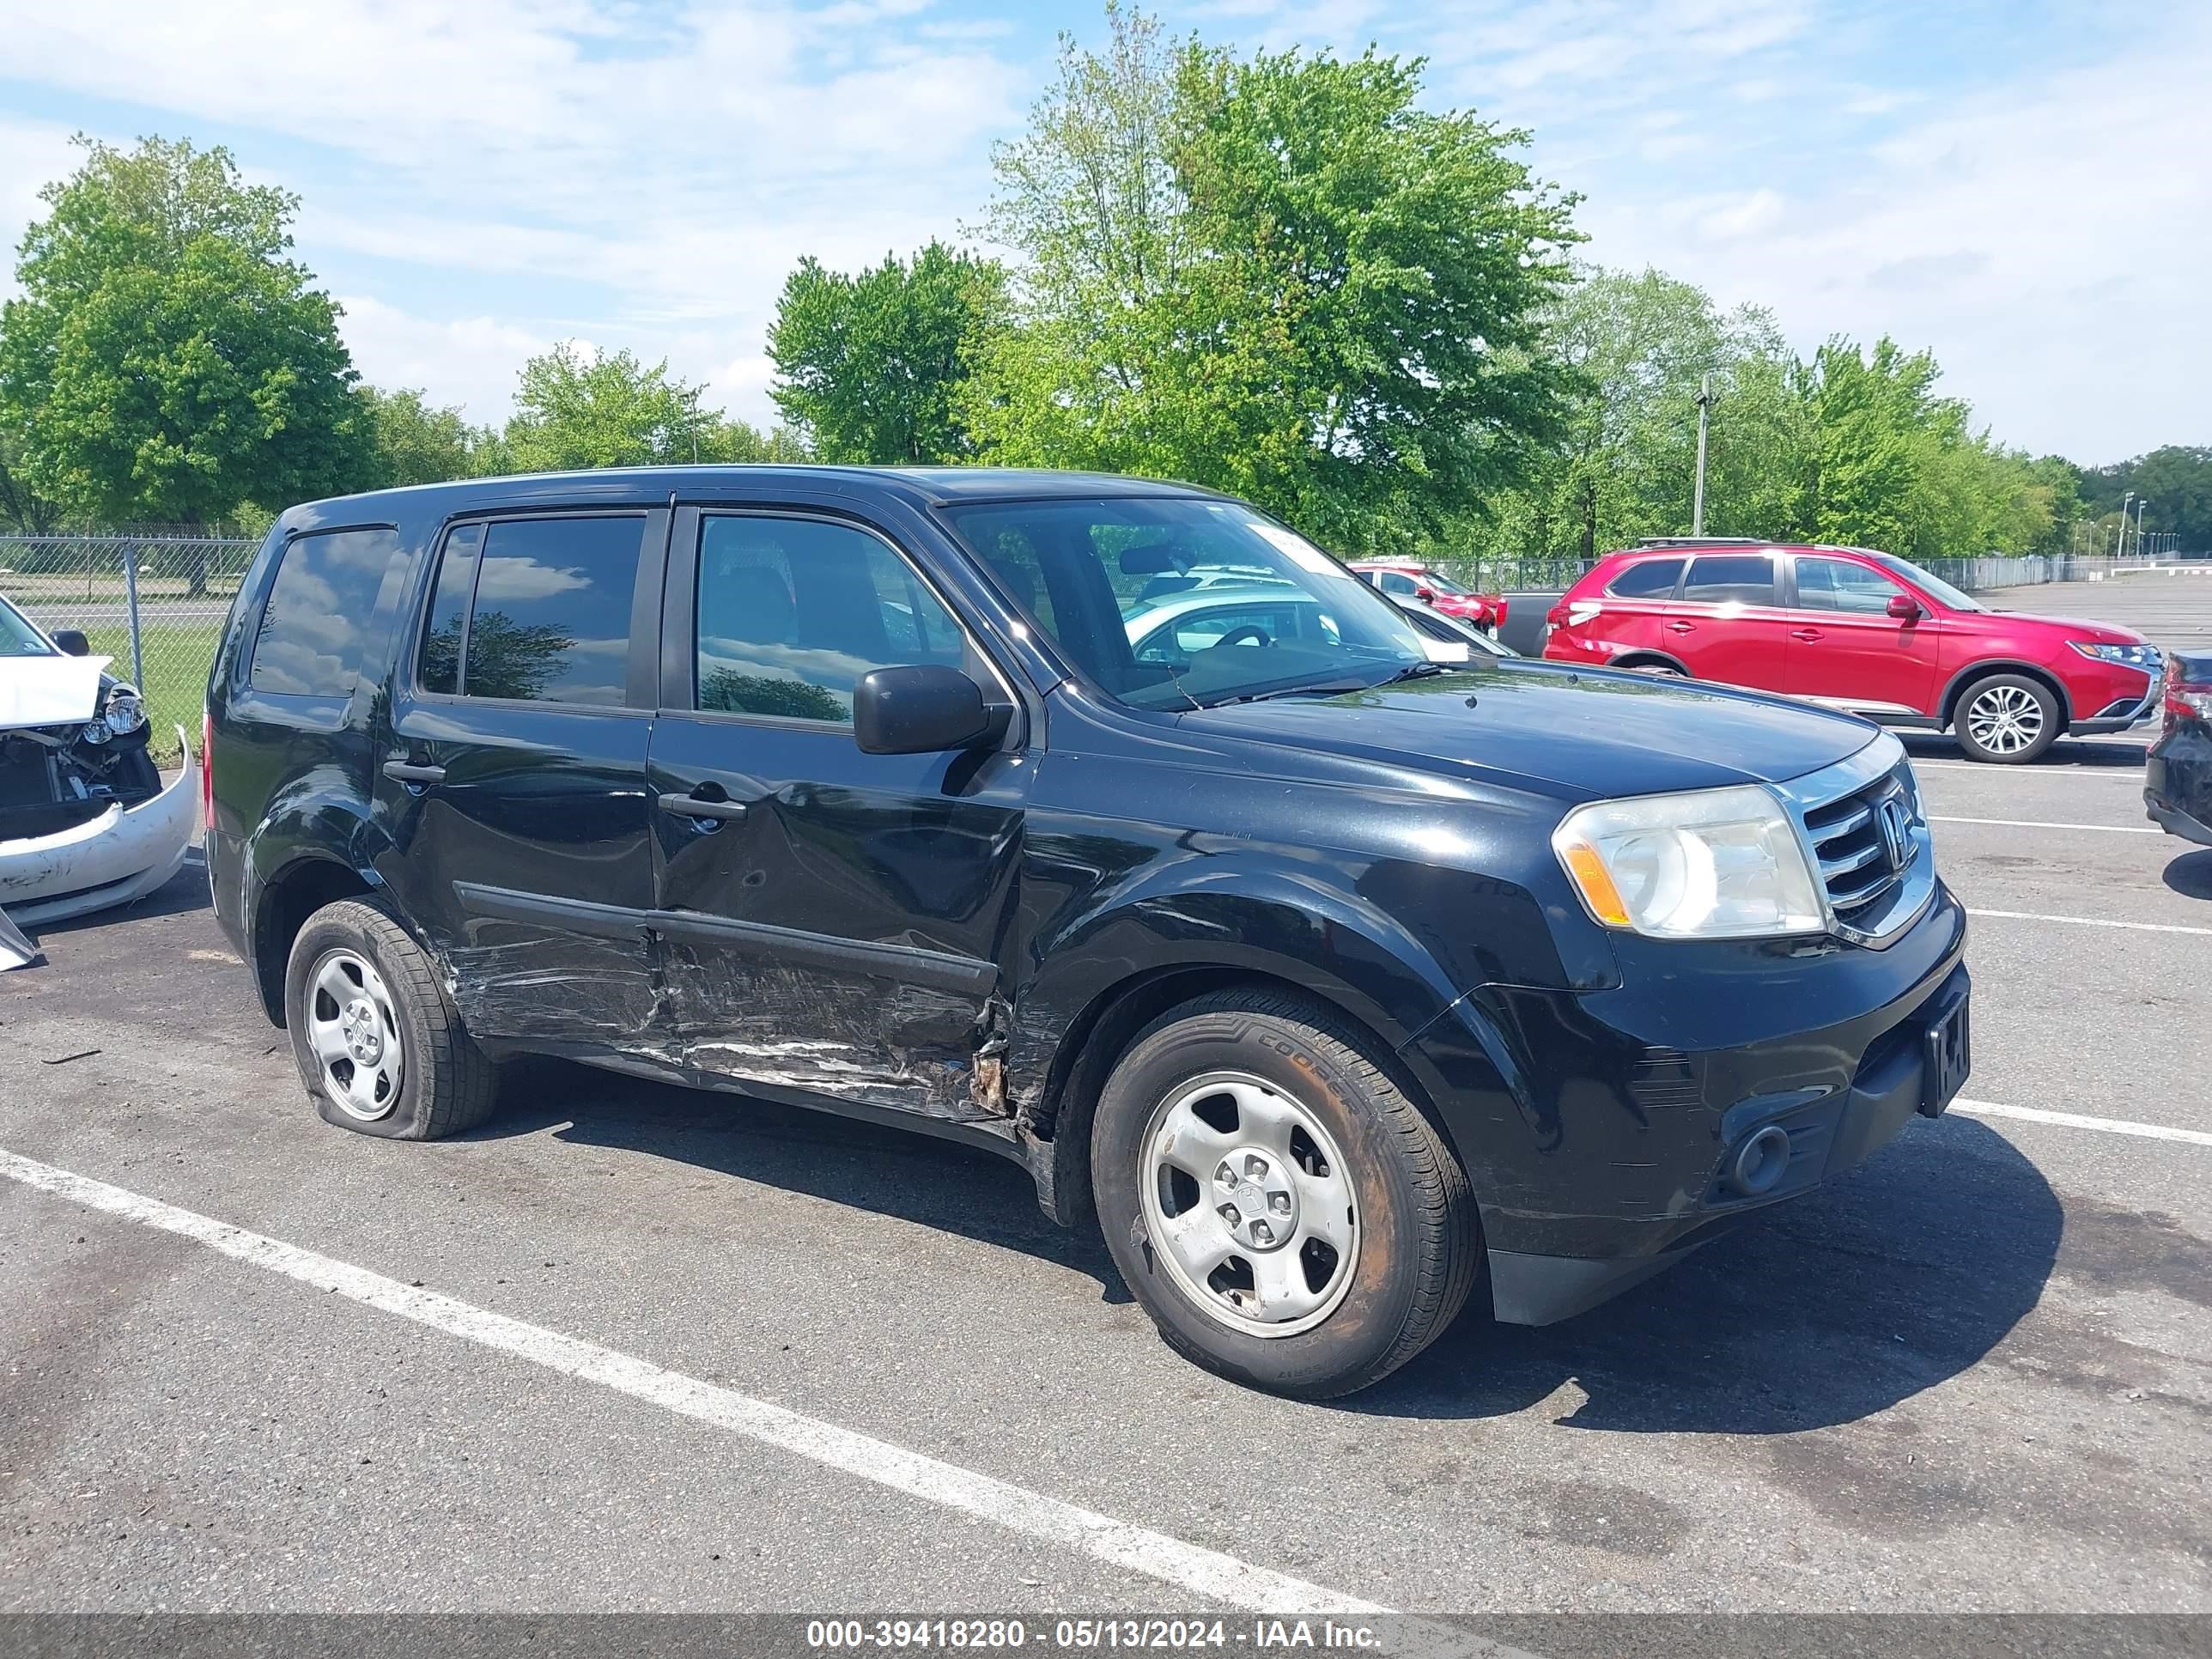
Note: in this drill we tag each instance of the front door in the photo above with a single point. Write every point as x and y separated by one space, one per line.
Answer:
511 784
834 922
1845 649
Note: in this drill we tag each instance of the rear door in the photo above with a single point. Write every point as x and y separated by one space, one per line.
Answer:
512 784
1727 623
1846 649
835 922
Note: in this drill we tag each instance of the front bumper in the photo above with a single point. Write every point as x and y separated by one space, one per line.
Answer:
1605 1130
2127 705
123 854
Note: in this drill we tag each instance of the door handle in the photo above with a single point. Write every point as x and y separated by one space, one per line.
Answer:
1807 635
416 773
1681 628
699 806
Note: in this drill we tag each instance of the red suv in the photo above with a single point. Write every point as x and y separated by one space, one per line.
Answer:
1403 580
1859 630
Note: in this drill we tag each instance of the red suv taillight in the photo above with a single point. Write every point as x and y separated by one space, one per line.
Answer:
1557 615
207 768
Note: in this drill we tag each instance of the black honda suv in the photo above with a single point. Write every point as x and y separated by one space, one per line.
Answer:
1337 986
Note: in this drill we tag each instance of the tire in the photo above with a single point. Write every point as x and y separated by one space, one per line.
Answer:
1660 671
403 1068
2006 720
1355 1307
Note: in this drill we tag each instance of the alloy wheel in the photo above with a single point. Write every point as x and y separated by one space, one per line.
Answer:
2004 718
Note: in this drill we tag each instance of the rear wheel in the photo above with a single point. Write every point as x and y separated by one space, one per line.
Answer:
376 1039
2006 719
1286 1215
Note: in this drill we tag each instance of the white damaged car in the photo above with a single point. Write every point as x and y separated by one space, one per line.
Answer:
85 822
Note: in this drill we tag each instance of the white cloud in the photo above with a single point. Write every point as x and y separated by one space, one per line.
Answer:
471 361
2046 240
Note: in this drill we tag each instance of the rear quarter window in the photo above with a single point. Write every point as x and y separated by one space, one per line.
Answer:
1647 579
1730 579
313 635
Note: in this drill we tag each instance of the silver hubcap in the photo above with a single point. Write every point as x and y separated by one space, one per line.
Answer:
354 1030
2004 720
1249 1204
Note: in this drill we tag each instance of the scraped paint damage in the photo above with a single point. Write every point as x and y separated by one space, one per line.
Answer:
892 1044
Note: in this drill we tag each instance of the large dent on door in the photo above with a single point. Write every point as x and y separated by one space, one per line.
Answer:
892 1044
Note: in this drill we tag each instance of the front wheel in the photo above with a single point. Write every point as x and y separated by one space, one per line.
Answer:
1287 1216
2007 718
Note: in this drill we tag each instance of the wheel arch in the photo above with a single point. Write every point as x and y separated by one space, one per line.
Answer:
1955 689
280 907
1642 657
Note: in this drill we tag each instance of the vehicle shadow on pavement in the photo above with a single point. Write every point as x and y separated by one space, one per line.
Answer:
2190 875
2068 754
1818 1313
935 1183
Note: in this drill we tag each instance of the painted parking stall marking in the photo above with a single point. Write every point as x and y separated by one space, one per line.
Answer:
2090 922
2111 1126
2038 823
1170 1560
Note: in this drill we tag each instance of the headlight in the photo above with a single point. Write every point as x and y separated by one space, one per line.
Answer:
1711 863
126 711
2145 657
96 730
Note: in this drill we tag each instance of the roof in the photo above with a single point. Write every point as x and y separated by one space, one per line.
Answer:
929 486
1750 543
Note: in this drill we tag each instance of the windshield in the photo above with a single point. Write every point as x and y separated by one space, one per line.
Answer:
1438 582
1175 603
17 637
1935 587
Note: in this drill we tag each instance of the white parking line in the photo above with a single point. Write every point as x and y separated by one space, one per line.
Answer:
2090 922
1170 1560
2039 824
2111 1126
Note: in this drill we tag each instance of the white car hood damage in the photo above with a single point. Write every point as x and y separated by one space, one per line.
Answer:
49 690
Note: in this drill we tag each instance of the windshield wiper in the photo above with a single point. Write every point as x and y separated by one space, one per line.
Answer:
1316 689
1414 671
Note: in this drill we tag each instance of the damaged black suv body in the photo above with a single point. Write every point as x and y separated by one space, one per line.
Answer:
1105 825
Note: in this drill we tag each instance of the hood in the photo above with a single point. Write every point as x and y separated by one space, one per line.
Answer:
49 690
1574 732
2074 628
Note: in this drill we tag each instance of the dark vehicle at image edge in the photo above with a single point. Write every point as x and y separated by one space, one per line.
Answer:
1340 987
2177 773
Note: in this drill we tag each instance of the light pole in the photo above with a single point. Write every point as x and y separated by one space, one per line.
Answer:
2140 505
1705 407
2121 545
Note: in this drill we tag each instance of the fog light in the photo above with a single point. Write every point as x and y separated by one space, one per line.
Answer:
1760 1162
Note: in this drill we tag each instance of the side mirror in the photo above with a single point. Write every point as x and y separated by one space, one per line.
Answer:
923 711
72 641
1426 595
1904 607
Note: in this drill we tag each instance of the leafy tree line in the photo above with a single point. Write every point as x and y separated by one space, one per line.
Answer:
1276 274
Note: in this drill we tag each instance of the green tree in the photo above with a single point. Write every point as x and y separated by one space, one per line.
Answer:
410 442
167 359
22 508
867 365
2177 479
739 440
576 408
1278 275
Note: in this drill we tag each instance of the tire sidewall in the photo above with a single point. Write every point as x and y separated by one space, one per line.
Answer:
1355 1341
2035 689
333 929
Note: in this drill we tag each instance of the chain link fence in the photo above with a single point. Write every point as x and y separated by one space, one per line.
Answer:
156 602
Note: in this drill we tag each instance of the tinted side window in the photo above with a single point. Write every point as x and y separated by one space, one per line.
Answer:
1731 577
1396 582
792 612
551 621
313 634
439 667
1652 579
1839 585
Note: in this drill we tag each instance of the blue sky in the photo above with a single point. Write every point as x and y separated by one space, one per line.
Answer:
2024 188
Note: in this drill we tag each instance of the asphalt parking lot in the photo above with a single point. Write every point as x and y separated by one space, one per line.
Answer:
1976 1376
